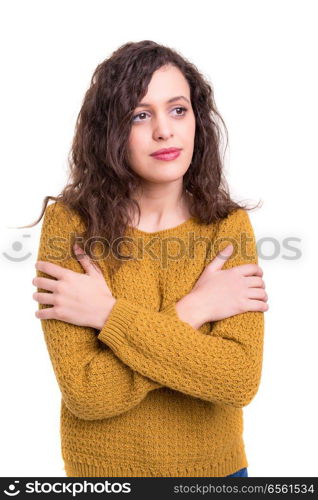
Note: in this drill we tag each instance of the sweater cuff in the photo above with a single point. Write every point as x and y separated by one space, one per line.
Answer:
171 310
120 318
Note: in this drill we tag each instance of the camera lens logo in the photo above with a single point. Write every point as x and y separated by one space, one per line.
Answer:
13 492
17 247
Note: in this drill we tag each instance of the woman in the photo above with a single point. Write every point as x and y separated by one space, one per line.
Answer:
156 339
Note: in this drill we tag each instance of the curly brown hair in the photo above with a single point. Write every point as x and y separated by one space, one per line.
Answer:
101 182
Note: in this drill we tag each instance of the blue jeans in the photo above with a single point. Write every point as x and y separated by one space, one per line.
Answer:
239 473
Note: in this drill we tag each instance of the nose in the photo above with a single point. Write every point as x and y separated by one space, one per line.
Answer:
162 128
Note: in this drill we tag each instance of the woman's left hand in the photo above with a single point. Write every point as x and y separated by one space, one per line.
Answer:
77 298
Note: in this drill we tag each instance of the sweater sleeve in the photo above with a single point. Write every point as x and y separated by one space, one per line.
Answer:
93 381
223 366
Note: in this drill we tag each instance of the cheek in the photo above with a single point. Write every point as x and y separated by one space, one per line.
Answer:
190 126
136 145
186 130
137 150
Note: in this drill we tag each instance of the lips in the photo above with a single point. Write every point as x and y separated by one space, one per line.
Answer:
171 155
166 151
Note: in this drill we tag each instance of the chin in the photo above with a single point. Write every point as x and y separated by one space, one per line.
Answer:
164 178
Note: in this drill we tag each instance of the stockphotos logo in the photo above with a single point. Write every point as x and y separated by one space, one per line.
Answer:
72 488
12 489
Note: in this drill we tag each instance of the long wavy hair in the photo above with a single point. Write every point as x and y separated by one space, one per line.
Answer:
101 181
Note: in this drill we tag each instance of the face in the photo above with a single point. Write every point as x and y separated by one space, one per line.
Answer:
163 124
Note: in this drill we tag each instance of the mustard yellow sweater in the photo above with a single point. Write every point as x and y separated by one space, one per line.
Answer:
149 395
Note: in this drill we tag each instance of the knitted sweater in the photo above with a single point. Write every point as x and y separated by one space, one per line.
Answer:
148 394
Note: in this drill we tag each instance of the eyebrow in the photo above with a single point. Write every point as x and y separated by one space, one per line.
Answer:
145 104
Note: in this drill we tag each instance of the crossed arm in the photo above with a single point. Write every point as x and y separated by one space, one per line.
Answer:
138 350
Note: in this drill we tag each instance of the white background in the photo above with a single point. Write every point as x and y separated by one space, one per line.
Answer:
261 60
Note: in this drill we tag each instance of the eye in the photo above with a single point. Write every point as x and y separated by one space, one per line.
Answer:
139 114
184 110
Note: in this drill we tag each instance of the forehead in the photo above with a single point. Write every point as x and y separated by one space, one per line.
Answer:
166 83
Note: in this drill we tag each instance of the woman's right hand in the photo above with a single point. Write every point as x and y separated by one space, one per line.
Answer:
220 294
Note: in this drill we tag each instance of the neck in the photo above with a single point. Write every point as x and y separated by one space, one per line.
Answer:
158 207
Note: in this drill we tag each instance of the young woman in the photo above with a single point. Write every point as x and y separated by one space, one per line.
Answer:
156 338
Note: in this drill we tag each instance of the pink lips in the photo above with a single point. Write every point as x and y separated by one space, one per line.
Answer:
166 154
